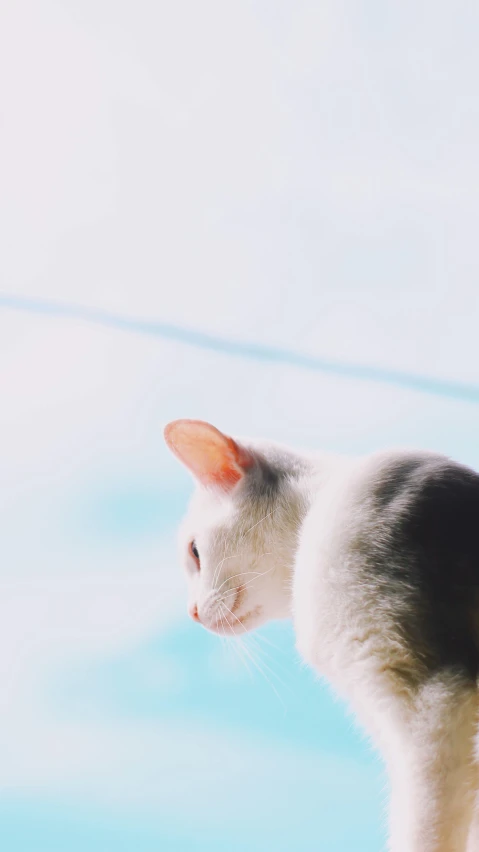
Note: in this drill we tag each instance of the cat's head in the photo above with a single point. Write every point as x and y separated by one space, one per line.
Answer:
237 539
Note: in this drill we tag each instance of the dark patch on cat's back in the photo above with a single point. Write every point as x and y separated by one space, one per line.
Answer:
434 503
425 515
395 478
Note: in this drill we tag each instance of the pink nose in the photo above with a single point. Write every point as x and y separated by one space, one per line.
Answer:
193 611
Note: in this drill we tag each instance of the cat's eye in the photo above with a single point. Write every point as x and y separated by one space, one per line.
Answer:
194 553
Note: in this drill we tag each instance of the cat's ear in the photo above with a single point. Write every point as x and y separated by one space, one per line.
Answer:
214 459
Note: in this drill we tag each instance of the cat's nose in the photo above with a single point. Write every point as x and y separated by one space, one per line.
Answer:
193 612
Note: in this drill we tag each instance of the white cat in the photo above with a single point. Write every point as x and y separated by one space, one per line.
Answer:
376 560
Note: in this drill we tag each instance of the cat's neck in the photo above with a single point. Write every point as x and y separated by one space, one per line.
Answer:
310 475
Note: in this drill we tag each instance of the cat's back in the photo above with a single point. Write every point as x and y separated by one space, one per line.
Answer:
417 502
396 549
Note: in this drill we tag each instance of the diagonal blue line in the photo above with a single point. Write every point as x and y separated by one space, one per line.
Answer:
243 349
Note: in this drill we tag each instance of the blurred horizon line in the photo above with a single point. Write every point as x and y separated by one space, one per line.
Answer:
242 349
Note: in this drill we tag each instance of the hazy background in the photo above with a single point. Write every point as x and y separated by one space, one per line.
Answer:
301 175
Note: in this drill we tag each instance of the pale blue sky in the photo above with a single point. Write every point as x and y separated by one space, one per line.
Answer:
298 175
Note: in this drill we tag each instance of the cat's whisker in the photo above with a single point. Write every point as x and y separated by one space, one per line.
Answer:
223 634
242 574
236 645
234 616
261 652
259 522
266 553
220 563
229 644
258 666
255 637
239 644
225 645
238 649
259 635
246 573
230 592
224 557
258 652
255 662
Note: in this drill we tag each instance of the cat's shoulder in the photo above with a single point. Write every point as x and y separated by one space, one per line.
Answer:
424 487
391 471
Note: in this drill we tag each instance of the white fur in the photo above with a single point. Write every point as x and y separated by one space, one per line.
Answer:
293 563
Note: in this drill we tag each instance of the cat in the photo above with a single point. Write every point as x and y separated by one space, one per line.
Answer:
376 560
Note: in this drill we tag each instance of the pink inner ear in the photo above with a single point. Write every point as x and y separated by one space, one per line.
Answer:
213 458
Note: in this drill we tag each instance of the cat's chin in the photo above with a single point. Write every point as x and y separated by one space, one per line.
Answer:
238 624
